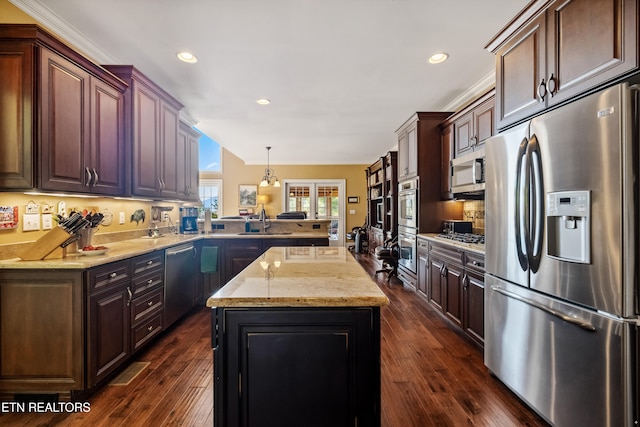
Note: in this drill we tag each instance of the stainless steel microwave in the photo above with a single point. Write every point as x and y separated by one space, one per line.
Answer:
467 173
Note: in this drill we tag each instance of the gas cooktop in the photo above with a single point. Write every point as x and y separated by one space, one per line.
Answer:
464 237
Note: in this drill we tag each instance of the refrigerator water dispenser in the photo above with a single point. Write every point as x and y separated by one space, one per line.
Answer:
568 226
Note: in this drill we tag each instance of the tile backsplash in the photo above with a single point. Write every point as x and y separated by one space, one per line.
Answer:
473 210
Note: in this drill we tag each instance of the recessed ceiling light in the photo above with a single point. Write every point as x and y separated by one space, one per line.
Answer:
187 57
263 101
437 58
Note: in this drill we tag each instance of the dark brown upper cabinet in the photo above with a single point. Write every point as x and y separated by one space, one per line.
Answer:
62 117
151 129
554 51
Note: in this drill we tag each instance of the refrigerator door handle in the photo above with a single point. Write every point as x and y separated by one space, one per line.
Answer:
521 206
567 318
534 248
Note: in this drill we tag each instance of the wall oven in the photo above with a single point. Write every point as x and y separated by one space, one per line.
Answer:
407 245
408 203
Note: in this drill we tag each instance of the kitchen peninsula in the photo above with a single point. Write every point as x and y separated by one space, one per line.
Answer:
296 339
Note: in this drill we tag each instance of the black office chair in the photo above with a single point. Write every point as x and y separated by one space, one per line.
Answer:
388 254
359 236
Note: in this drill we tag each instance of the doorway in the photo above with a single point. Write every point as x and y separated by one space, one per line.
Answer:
320 199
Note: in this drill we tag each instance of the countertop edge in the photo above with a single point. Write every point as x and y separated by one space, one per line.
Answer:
299 302
125 249
471 247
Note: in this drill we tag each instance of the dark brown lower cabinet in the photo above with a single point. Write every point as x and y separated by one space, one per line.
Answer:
109 332
108 324
42 332
452 279
453 301
474 306
289 367
423 266
435 292
239 254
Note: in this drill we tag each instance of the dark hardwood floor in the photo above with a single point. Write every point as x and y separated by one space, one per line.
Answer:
431 376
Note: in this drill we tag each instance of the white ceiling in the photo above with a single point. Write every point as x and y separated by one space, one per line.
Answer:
342 75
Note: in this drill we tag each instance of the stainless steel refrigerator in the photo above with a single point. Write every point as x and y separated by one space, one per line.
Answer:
561 288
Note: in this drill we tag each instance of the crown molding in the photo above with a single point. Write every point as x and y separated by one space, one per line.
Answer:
41 13
481 87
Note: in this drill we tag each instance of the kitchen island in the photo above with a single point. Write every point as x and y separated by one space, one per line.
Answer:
296 339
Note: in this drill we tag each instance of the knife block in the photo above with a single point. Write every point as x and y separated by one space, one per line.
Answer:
46 246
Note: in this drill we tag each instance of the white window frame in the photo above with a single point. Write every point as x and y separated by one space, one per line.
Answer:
340 183
211 182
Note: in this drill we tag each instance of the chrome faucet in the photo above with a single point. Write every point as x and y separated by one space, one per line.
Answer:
266 223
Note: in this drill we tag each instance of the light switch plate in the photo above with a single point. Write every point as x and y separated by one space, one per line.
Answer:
121 218
30 222
47 221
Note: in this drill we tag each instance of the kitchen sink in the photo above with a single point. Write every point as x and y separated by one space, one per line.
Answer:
268 233
152 237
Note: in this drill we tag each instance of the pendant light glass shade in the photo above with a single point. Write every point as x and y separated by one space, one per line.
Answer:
269 175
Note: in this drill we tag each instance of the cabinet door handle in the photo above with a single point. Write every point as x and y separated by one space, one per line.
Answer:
552 85
96 177
130 295
149 282
149 262
150 328
542 91
113 275
88 181
150 303
465 282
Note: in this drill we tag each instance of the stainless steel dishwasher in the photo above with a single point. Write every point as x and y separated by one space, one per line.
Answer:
179 282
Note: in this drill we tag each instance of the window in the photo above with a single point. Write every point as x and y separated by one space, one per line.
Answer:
299 200
211 196
210 154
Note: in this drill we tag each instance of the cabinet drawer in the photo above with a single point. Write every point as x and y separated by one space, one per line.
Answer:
146 305
245 245
146 282
475 262
447 253
145 263
407 278
109 276
145 331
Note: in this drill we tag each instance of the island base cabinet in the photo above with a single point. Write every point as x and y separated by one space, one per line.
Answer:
291 366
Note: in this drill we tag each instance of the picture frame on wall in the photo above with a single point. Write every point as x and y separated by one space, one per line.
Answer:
248 196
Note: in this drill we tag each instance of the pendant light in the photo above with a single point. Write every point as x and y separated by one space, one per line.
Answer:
269 175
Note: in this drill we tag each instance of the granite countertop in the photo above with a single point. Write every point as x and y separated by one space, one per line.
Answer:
129 248
471 247
301 277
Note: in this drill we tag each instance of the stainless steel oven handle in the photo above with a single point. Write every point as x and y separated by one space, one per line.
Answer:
573 320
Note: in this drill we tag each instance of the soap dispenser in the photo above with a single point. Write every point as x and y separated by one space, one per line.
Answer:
247 225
